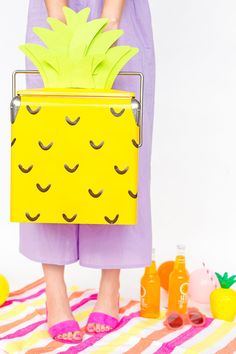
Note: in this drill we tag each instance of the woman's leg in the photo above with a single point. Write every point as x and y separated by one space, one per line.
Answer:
108 297
57 299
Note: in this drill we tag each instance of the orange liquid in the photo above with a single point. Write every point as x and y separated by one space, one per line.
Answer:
178 287
150 293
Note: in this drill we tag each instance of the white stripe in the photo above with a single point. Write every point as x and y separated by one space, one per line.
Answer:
22 314
21 326
202 335
222 342
180 350
152 348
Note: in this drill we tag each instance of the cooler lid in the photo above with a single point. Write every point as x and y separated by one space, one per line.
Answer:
76 92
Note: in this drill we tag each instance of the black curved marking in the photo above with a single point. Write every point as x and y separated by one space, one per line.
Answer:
41 189
13 141
33 111
133 195
25 170
69 219
32 218
135 143
45 147
111 221
117 114
72 122
96 147
121 172
95 195
69 169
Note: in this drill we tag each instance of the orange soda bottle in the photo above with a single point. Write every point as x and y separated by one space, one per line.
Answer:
150 291
178 283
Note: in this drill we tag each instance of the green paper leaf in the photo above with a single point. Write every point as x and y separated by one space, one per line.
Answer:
83 36
101 43
97 60
56 25
74 19
25 48
77 74
113 55
55 41
119 65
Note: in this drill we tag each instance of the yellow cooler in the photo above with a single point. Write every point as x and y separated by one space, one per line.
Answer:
74 155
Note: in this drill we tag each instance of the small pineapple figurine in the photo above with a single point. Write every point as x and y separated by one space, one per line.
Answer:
74 151
223 299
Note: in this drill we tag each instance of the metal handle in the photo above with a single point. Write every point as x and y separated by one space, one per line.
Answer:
141 89
123 73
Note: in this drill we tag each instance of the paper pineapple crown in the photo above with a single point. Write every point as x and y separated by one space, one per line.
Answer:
78 53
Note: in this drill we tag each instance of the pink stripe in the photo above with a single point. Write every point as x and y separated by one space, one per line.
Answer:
23 299
96 337
168 347
84 301
22 332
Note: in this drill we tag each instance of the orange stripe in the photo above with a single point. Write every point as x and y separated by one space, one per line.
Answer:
144 343
27 287
76 294
229 349
130 304
11 325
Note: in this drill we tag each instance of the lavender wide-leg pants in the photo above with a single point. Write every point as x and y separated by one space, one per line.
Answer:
104 246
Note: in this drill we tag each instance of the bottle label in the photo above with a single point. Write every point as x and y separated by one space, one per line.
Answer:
183 295
143 294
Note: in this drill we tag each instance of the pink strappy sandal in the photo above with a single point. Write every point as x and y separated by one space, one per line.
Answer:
103 319
62 328
65 327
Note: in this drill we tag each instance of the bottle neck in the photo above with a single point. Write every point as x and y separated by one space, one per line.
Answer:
180 263
152 269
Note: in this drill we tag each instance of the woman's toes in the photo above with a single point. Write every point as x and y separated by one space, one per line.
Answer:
102 328
107 328
70 335
97 328
77 335
64 336
90 327
59 336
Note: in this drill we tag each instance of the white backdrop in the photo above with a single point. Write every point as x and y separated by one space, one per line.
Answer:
194 145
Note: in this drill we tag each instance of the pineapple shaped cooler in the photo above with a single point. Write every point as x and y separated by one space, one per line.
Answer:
74 143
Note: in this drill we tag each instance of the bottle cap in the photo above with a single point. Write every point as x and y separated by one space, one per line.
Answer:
181 250
153 254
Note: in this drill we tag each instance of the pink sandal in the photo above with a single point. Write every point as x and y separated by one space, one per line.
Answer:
65 327
103 319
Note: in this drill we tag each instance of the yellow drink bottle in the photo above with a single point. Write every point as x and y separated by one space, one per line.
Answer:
178 283
150 292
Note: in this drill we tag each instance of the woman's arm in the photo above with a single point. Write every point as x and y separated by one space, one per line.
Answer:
112 9
54 8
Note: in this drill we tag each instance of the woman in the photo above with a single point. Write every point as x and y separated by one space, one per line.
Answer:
107 247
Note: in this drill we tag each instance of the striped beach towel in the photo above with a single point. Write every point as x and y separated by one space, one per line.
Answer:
23 329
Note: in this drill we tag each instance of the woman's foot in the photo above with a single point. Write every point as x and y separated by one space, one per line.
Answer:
58 308
108 299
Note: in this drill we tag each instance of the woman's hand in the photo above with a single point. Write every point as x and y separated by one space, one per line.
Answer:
112 9
54 8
